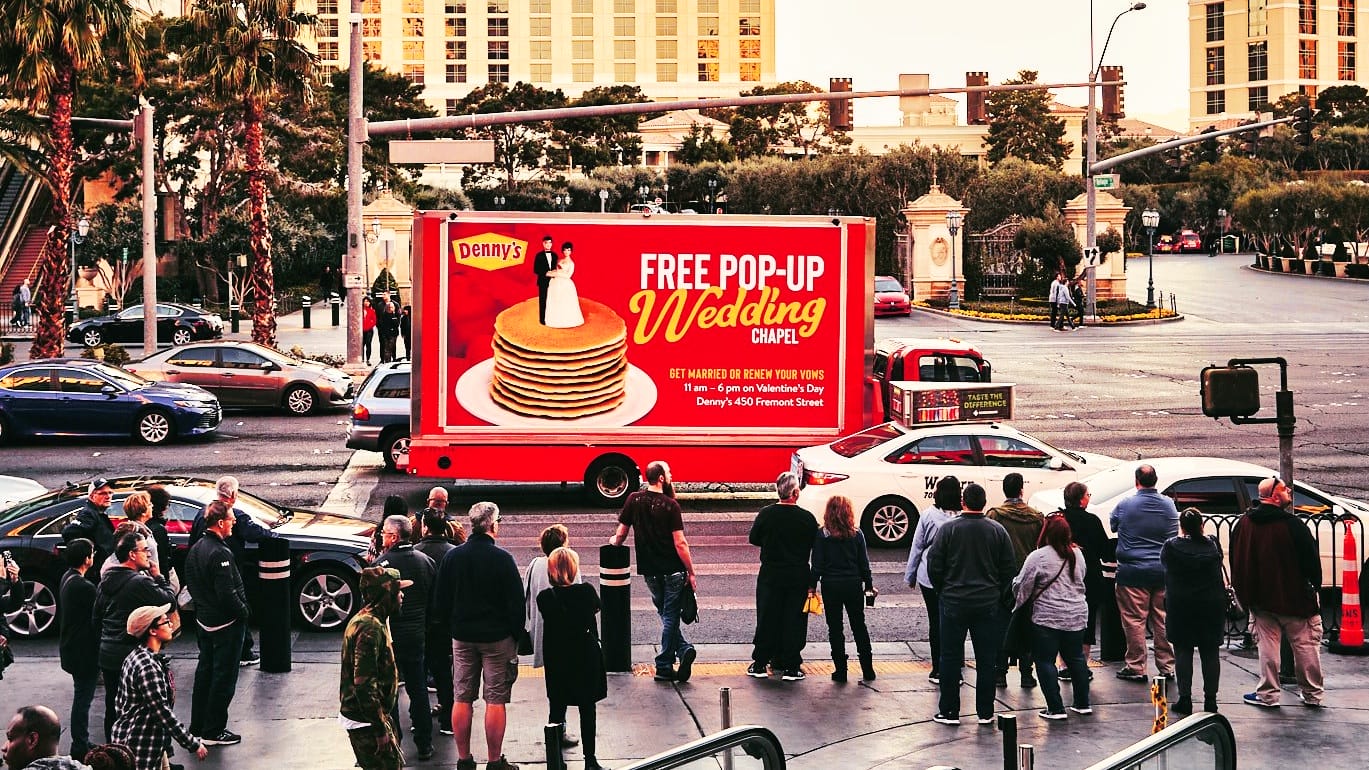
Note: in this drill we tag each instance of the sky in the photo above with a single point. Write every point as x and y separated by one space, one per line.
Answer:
873 41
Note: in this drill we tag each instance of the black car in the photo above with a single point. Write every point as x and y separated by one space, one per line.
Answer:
327 551
177 324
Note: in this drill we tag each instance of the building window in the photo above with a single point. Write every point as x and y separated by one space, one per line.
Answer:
539 26
328 51
539 49
413 50
497 27
582 49
370 27
708 49
370 50
498 50
1216 22
539 6
749 49
624 49
327 27
456 50
414 73
327 6
413 26
1310 91
1258 98
582 72
708 6
665 26
748 25
1307 17
454 27
708 72
708 26
625 26
413 6
451 6
665 6
624 6
453 106
327 71
1216 66
499 73
750 71
370 6
582 26
1257 60
1307 59
1216 102
1257 21
666 72
539 73
456 73
582 6
666 49
1345 18
496 6
1345 60
625 72
749 6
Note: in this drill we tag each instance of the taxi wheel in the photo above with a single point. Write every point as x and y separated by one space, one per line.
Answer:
889 522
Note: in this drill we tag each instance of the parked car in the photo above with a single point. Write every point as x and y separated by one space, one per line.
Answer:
248 374
890 298
1165 245
380 414
177 324
1218 487
83 397
326 550
890 471
647 208
1189 241
13 489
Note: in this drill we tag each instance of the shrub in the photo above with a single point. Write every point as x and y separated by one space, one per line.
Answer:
328 359
1357 271
6 353
112 354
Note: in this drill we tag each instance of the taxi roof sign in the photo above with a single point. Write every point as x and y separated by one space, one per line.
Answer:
914 404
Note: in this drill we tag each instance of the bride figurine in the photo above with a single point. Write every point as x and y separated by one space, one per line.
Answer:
563 301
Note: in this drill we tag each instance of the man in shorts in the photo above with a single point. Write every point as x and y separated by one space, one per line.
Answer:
478 594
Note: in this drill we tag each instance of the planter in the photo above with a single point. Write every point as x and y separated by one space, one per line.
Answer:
1339 268
1296 266
1262 261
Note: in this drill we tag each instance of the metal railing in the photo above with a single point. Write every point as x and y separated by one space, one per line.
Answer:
1203 740
743 747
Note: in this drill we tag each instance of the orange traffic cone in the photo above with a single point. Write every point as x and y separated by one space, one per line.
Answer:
1351 639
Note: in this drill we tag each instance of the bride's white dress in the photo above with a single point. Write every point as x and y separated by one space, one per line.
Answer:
563 301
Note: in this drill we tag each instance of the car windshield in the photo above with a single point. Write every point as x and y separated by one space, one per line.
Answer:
263 512
866 440
128 380
888 284
271 354
23 509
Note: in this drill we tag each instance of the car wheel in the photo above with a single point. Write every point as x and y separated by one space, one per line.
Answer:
326 598
610 479
37 615
154 427
393 445
92 338
889 522
182 337
299 400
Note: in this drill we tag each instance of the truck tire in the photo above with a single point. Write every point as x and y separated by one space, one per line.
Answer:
889 522
610 479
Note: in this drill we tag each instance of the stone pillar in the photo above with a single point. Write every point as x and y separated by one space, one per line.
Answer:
393 245
930 246
1111 276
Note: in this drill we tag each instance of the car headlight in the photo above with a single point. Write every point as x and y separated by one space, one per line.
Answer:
187 404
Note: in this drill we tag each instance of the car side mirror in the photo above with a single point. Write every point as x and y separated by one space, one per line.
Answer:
1056 464
110 391
269 366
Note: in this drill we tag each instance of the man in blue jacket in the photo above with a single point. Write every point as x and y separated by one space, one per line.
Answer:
1143 522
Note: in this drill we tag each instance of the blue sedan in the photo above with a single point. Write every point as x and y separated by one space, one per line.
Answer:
81 397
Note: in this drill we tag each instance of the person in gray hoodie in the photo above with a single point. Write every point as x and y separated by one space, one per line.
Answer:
31 741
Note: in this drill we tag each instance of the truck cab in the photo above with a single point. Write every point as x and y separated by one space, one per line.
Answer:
926 360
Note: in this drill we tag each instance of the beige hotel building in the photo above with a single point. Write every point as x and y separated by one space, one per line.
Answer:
1244 53
671 49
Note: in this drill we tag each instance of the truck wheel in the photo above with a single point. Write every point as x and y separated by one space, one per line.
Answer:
609 480
889 522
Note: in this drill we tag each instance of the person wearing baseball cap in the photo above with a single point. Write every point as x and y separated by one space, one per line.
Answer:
369 687
147 724
91 521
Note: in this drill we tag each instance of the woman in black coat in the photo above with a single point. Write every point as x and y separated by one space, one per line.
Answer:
570 643
1087 531
1195 607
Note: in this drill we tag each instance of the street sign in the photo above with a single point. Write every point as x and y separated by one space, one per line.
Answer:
1106 181
1091 257
442 151
354 281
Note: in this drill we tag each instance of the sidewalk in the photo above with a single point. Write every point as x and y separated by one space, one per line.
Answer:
289 721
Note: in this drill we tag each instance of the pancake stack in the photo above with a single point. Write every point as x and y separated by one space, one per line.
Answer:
559 373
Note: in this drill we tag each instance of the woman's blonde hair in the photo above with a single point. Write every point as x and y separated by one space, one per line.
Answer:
563 566
839 520
138 506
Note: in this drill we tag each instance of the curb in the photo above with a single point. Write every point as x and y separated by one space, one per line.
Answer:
1254 269
1046 320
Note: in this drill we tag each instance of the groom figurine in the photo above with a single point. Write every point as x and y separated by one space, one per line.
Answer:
541 264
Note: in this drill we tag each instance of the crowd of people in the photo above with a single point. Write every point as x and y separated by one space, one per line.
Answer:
382 316
444 606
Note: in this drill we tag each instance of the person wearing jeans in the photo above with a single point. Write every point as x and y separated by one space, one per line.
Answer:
211 574
665 595
1143 523
1052 579
945 505
80 639
408 628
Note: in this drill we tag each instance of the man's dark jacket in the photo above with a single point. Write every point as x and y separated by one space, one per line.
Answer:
784 532
1274 562
123 590
245 530
971 562
211 573
479 593
410 625
92 524
79 644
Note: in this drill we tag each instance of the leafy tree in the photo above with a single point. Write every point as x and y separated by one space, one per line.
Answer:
765 128
1343 105
1021 125
46 49
1343 147
601 141
249 50
518 147
313 146
1148 169
701 147
1108 242
1016 187
1051 246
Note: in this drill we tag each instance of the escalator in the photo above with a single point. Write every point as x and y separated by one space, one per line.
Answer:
737 748
1197 742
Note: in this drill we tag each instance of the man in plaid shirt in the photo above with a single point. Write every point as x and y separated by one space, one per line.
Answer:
146 723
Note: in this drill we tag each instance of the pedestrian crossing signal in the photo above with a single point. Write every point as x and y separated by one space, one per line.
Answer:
1230 391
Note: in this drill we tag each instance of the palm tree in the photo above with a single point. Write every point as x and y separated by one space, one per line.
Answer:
250 52
46 47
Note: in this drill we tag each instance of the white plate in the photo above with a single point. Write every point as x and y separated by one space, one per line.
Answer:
473 393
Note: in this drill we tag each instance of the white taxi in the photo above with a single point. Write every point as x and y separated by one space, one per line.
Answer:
890 472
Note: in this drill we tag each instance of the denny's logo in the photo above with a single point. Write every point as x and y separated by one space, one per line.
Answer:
489 251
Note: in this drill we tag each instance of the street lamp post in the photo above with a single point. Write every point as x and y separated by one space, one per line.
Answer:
1150 218
499 202
1091 155
953 222
642 192
561 202
76 238
712 195
603 201
1221 241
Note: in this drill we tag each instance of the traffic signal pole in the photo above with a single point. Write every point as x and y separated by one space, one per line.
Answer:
1233 391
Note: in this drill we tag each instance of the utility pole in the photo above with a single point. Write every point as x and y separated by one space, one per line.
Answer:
356 138
144 130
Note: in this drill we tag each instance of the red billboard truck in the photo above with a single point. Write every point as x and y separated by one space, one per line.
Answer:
580 347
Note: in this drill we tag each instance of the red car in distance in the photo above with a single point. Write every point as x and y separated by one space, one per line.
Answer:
890 298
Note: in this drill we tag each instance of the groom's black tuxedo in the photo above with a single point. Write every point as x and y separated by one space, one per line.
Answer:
542 263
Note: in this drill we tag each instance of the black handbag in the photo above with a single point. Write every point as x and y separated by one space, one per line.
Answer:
1235 613
689 606
1017 638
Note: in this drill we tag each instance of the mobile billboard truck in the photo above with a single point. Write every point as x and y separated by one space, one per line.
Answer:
719 344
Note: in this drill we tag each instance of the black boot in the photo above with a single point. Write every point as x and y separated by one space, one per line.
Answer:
1182 706
593 764
867 667
1210 703
839 670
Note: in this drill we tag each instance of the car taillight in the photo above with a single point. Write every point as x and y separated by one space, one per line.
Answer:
818 478
360 412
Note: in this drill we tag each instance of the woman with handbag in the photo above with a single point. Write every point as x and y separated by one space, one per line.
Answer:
1051 583
841 562
574 660
1195 605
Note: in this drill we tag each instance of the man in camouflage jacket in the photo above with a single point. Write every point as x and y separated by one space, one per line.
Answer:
369 684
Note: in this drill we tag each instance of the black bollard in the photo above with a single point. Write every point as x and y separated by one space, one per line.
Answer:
304 308
1007 724
336 302
235 314
272 610
615 592
551 735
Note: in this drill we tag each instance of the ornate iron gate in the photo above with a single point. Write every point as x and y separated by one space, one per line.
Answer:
1000 263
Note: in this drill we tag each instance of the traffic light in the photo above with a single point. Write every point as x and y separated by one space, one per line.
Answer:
1114 101
1302 125
1250 142
839 111
1175 160
1230 391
